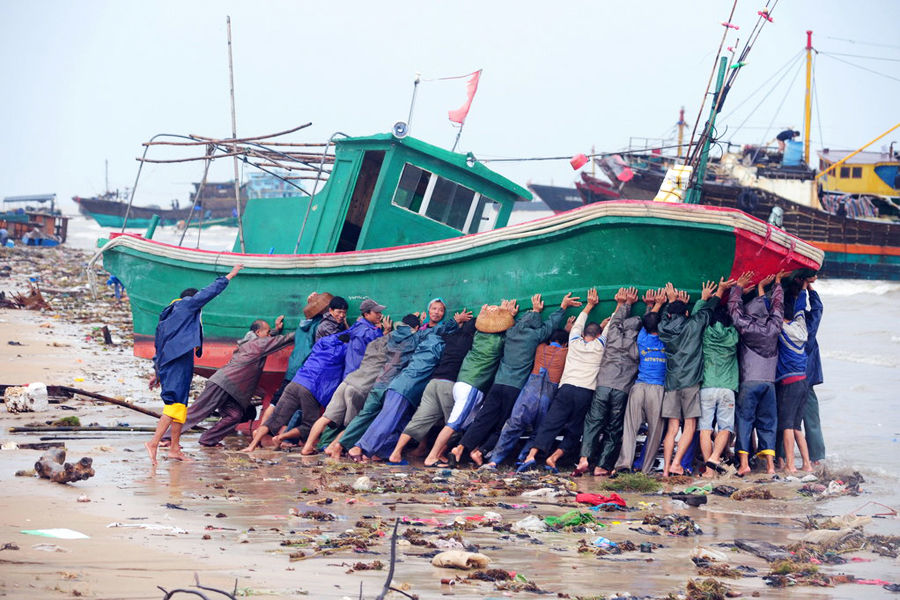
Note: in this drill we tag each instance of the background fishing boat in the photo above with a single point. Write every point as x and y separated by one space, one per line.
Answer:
37 223
848 206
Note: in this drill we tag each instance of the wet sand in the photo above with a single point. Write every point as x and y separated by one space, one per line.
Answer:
261 499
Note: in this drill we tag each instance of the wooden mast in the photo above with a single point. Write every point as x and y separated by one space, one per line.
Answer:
807 109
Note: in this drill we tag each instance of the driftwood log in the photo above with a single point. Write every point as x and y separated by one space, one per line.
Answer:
52 466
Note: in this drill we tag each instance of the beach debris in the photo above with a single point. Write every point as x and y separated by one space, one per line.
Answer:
752 493
52 466
530 524
765 550
9 546
48 548
83 498
192 592
460 559
690 499
614 501
632 482
708 589
59 533
71 421
792 572
30 398
149 526
362 484
31 300
724 490
573 518
674 524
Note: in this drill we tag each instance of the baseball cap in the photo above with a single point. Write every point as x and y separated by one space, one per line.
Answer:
369 305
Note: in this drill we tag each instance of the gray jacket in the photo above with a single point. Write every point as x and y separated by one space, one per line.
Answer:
240 376
759 328
619 365
371 366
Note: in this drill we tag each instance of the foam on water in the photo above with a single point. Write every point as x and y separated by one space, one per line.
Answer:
83 233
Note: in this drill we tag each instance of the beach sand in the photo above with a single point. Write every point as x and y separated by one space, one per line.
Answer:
245 506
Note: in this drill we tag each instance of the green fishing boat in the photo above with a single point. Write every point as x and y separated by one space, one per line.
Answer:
403 221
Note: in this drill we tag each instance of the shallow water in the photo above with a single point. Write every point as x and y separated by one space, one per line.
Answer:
860 343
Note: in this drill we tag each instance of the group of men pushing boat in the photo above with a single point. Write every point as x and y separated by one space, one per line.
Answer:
737 367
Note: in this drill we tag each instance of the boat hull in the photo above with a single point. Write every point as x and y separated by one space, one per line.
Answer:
605 245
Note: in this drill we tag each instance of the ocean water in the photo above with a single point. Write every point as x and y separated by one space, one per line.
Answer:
859 338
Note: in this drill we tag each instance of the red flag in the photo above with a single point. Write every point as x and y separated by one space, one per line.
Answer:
459 115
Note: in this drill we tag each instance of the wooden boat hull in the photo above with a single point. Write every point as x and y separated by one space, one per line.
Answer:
607 245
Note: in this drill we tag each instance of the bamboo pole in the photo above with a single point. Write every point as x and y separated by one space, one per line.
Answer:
237 183
855 152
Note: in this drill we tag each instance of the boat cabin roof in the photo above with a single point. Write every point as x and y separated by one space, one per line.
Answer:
863 158
384 191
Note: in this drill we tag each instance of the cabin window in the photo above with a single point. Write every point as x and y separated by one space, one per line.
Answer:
445 201
856 173
412 188
845 172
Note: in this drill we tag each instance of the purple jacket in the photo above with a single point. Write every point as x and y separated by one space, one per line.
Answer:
759 328
324 368
361 333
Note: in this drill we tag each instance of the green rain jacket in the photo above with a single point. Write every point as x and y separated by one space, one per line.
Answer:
481 362
522 340
720 364
683 337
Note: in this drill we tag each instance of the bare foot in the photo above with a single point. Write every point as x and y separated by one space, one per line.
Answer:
355 454
151 450
308 451
457 453
164 443
600 472
676 469
334 450
807 467
709 473
583 465
180 456
395 457
477 457
550 462
247 449
743 471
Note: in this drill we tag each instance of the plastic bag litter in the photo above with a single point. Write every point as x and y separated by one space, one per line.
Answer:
458 559
362 484
546 492
530 524
571 519
602 542
708 554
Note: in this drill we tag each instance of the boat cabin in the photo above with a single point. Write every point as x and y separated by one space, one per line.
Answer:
870 173
383 191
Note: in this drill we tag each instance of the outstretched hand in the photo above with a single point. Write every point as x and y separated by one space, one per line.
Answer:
707 290
513 307
671 292
744 280
631 295
570 300
620 296
593 299
279 322
234 271
569 322
386 324
462 316
724 286
684 296
781 275
537 305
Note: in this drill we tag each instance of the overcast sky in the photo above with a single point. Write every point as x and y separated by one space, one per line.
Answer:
88 81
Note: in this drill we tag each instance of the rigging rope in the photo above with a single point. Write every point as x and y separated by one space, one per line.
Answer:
775 114
786 69
847 62
709 82
816 100
863 56
863 43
